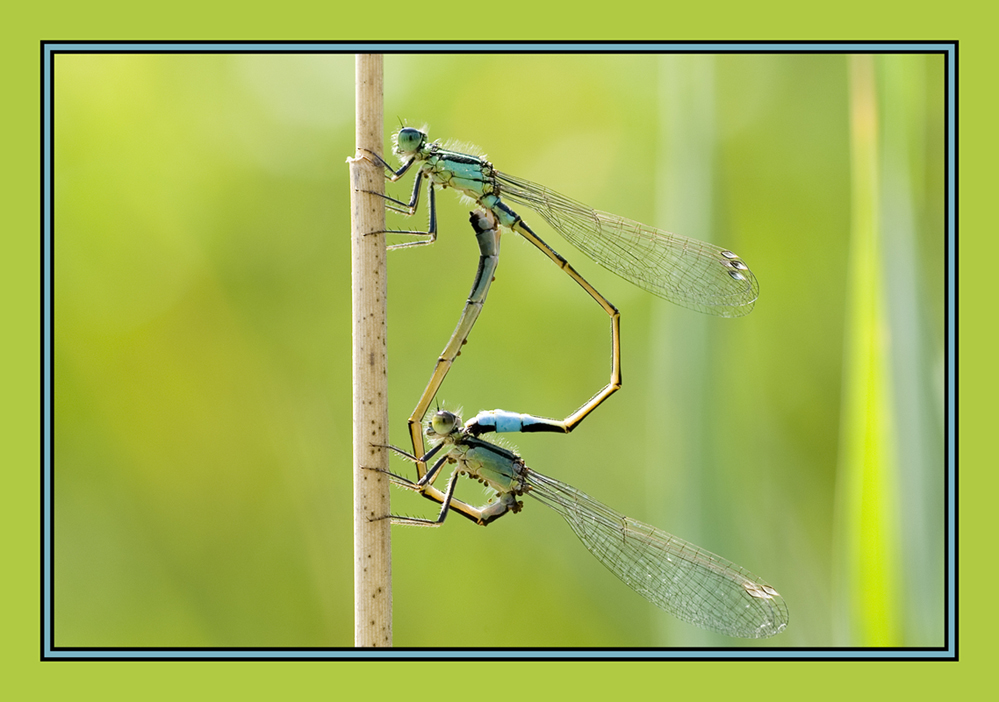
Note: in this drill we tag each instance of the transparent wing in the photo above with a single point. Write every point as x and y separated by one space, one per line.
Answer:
690 273
688 582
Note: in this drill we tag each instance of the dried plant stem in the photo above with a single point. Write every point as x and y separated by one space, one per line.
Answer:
372 539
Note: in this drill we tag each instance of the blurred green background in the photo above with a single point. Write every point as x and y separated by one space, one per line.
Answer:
202 366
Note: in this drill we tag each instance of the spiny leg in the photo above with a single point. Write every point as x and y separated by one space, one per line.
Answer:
409 208
431 232
448 502
445 503
379 161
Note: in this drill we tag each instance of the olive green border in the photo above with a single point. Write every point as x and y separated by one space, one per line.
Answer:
24 28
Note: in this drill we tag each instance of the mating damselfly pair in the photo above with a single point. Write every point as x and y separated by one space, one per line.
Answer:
690 583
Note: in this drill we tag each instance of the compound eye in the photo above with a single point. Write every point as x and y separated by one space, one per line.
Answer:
409 140
444 422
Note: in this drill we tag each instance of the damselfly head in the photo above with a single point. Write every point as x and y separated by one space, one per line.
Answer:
408 140
443 423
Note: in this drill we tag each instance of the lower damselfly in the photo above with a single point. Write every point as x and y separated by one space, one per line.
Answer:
687 581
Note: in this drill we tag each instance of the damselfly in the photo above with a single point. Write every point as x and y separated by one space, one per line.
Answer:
690 583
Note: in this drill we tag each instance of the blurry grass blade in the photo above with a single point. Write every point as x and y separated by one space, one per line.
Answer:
866 509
